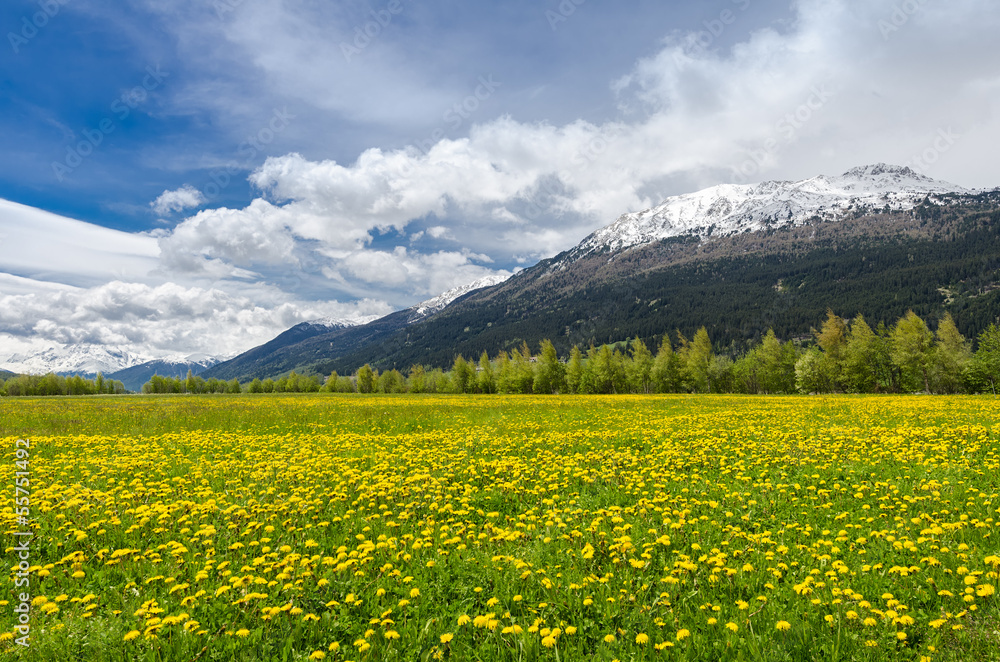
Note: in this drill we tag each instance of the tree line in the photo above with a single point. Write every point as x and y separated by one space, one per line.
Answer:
845 356
52 384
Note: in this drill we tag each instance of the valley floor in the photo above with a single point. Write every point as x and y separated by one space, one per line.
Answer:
345 527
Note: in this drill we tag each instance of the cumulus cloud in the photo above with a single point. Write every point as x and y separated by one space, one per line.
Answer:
163 320
821 95
186 197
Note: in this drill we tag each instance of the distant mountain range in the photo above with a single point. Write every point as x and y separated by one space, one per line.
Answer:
877 240
739 259
310 342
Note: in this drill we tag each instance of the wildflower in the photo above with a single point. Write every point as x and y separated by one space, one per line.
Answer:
609 638
447 637
317 655
642 638
132 634
783 626
732 627
683 634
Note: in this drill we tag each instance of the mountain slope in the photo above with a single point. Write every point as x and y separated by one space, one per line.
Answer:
932 260
876 240
306 344
731 209
83 359
134 377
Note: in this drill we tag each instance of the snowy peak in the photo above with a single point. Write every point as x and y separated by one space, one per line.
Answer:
334 323
435 304
730 209
81 358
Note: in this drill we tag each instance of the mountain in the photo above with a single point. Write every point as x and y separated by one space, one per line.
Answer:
306 344
730 209
877 240
81 359
135 376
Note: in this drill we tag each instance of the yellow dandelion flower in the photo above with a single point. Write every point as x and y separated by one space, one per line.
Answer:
783 626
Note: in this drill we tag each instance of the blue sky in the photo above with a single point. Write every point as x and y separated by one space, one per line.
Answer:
85 61
242 165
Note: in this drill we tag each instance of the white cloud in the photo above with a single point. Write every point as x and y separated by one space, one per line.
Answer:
822 95
161 320
39 245
186 197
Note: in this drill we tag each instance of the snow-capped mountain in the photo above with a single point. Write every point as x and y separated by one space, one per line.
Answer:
332 323
730 209
435 304
82 358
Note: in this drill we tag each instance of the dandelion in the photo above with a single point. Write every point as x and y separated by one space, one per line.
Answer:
683 634
642 638
783 626
609 638
549 641
317 655
132 634
732 627
447 637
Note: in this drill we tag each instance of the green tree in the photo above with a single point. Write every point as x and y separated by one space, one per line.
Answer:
832 339
639 368
550 373
234 386
777 365
811 375
365 378
574 370
463 375
696 357
912 345
666 372
256 386
486 378
983 371
418 379
951 355
859 370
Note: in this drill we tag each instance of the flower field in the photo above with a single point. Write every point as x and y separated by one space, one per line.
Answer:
507 528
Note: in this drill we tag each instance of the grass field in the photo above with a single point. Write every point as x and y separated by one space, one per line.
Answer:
505 528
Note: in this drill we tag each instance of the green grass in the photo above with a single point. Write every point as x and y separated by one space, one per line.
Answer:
623 517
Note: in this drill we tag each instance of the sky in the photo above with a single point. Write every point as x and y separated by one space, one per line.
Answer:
193 177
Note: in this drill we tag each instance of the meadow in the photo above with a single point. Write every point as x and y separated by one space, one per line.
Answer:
426 527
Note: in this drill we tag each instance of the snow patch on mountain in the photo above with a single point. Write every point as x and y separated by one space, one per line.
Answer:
334 323
730 209
81 358
438 303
